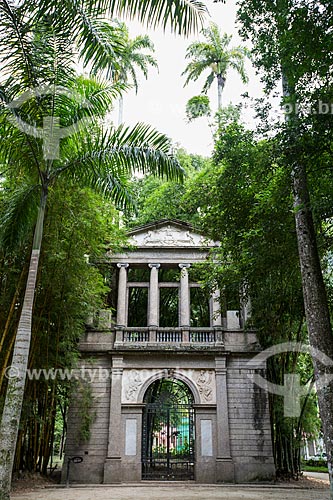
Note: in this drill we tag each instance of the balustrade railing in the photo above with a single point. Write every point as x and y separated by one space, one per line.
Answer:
202 336
166 335
169 336
135 336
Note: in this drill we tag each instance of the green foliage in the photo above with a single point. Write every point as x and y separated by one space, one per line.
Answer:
282 35
244 199
85 413
197 106
183 17
215 56
132 57
39 41
79 223
315 466
157 199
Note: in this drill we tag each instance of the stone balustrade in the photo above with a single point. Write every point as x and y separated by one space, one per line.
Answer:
163 336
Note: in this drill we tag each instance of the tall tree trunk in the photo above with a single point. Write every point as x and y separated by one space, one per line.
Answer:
17 376
315 302
314 291
121 111
220 87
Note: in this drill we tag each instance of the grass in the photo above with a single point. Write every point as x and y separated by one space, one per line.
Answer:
312 468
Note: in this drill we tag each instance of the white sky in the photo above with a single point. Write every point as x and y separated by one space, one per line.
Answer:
161 100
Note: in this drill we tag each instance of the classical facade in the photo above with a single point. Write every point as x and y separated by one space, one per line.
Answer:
170 393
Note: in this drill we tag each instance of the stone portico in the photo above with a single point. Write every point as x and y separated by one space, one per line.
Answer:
166 332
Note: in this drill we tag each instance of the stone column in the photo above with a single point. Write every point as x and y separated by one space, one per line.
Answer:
154 296
245 305
215 316
184 309
216 319
112 466
122 295
224 463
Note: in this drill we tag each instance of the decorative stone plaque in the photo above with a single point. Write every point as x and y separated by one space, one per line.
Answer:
206 438
130 436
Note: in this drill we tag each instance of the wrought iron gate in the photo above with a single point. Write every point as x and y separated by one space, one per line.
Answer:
168 432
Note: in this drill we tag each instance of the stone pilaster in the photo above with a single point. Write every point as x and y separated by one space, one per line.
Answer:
112 466
184 308
122 295
224 463
154 296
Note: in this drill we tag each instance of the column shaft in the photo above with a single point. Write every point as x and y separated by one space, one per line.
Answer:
154 296
184 310
216 319
122 295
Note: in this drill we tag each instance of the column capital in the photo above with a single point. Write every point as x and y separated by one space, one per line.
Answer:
221 363
184 266
221 371
154 266
122 264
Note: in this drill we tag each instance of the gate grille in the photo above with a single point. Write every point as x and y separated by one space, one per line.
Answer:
168 432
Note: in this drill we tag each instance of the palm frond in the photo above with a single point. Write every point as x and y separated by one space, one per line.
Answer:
105 159
87 100
18 150
84 24
195 69
208 83
94 100
15 43
215 56
182 16
237 56
133 57
101 44
18 215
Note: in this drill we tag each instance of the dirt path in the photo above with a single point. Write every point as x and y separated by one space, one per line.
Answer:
173 493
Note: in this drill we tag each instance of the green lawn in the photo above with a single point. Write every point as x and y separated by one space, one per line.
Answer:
312 468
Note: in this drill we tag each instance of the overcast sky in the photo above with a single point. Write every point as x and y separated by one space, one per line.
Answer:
161 100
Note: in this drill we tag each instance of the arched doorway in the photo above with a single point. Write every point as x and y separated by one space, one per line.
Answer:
168 432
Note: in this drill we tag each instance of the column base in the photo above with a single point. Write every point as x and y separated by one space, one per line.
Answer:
112 470
225 471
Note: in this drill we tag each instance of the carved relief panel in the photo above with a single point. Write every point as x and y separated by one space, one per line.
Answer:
202 380
170 236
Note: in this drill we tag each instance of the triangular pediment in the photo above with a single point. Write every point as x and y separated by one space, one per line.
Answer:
169 233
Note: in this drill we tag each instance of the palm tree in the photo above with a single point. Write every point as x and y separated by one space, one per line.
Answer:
85 20
214 55
37 47
132 58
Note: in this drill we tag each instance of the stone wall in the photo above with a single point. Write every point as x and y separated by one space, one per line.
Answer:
94 449
250 435
247 414
232 427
